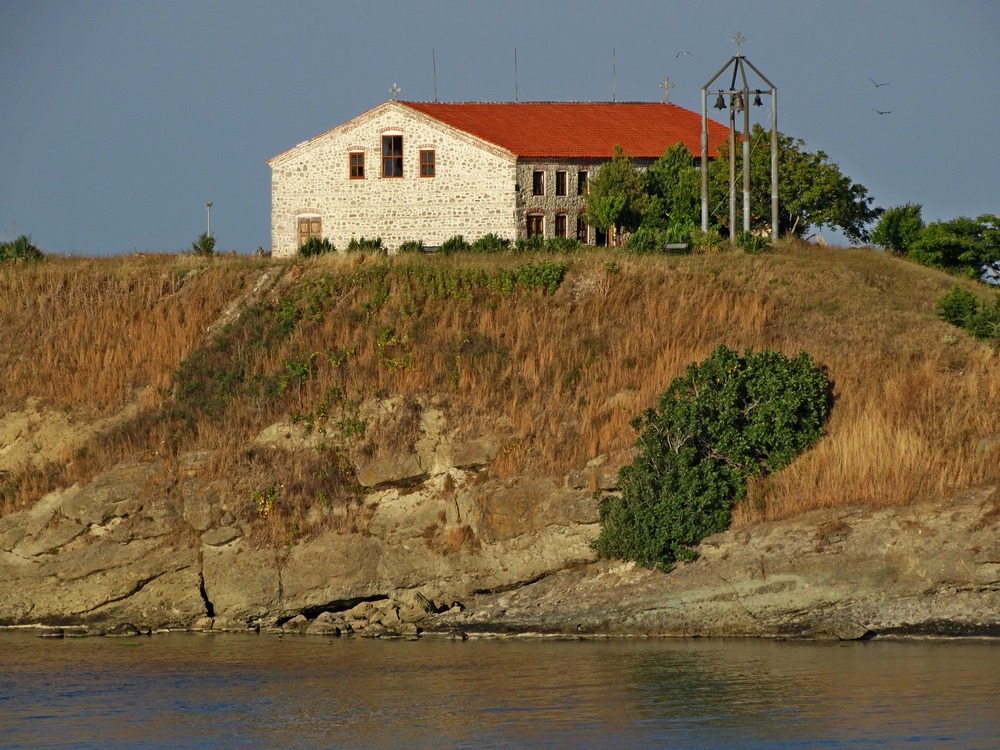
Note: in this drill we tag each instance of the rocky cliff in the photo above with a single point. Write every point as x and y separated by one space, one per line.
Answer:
446 550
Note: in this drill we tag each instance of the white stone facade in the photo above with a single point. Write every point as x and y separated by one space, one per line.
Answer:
471 193
478 188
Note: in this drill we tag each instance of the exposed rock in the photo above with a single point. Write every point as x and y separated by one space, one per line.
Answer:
414 606
298 624
220 536
327 623
444 550
843 573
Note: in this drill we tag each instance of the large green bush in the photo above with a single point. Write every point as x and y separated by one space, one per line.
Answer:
725 421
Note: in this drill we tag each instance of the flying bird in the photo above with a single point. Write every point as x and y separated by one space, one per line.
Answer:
682 53
882 112
877 84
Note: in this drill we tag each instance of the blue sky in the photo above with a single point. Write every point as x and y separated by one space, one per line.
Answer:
119 120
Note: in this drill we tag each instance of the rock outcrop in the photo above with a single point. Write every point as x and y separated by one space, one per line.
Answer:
154 545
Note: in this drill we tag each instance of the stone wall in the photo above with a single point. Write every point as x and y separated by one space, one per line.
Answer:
472 192
549 204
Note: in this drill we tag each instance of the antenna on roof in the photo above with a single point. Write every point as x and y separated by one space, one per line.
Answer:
614 74
515 74
435 66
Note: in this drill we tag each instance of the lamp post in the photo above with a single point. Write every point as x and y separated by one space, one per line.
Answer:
739 101
208 208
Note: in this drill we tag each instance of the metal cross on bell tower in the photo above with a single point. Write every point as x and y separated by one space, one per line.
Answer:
666 86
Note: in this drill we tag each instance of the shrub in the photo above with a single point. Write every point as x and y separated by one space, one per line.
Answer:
751 243
708 241
20 250
490 243
364 245
205 245
985 324
643 240
533 244
958 306
727 420
961 308
411 246
899 227
653 239
314 246
455 244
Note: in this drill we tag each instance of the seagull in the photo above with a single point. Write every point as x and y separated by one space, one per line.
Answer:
882 112
682 53
877 84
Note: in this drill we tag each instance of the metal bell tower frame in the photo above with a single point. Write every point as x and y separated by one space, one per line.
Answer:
739 101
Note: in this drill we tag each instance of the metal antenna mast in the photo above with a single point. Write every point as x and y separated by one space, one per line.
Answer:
515 75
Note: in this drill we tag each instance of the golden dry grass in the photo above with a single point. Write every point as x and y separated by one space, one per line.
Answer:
555 378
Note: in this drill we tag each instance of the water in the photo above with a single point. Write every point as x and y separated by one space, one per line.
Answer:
217 691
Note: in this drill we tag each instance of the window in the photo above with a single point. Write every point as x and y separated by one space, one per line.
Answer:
538 183
392 156
427 163
581 183
581 230
357 166
309 226
560 183
536 226
560 223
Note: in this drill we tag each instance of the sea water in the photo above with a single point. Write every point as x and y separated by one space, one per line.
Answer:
264 691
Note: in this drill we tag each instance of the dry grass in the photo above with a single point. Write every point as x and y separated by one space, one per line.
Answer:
555 378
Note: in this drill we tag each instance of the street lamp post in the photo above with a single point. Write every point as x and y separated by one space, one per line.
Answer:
208 208
739 101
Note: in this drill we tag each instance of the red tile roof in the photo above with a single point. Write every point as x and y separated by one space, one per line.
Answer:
578 129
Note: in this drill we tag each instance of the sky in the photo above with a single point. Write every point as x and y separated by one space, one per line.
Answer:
120 120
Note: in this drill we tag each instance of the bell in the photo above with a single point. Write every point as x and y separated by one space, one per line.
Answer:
738 102
756 99
720 103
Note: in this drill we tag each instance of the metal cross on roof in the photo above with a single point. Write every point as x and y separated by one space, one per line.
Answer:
666 86
395 90
738 40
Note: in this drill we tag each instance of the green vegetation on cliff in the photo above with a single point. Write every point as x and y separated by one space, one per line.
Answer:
727 421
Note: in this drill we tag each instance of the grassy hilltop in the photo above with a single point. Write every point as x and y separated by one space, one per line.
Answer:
552 355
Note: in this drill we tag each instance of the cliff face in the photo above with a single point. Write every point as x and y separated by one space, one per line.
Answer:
367 456
447 550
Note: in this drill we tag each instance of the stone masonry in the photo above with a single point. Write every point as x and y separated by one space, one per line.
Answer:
478 188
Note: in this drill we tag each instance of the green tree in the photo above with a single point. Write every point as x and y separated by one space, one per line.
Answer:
812 191
899 227
963 245
616 197
674 186
726 420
